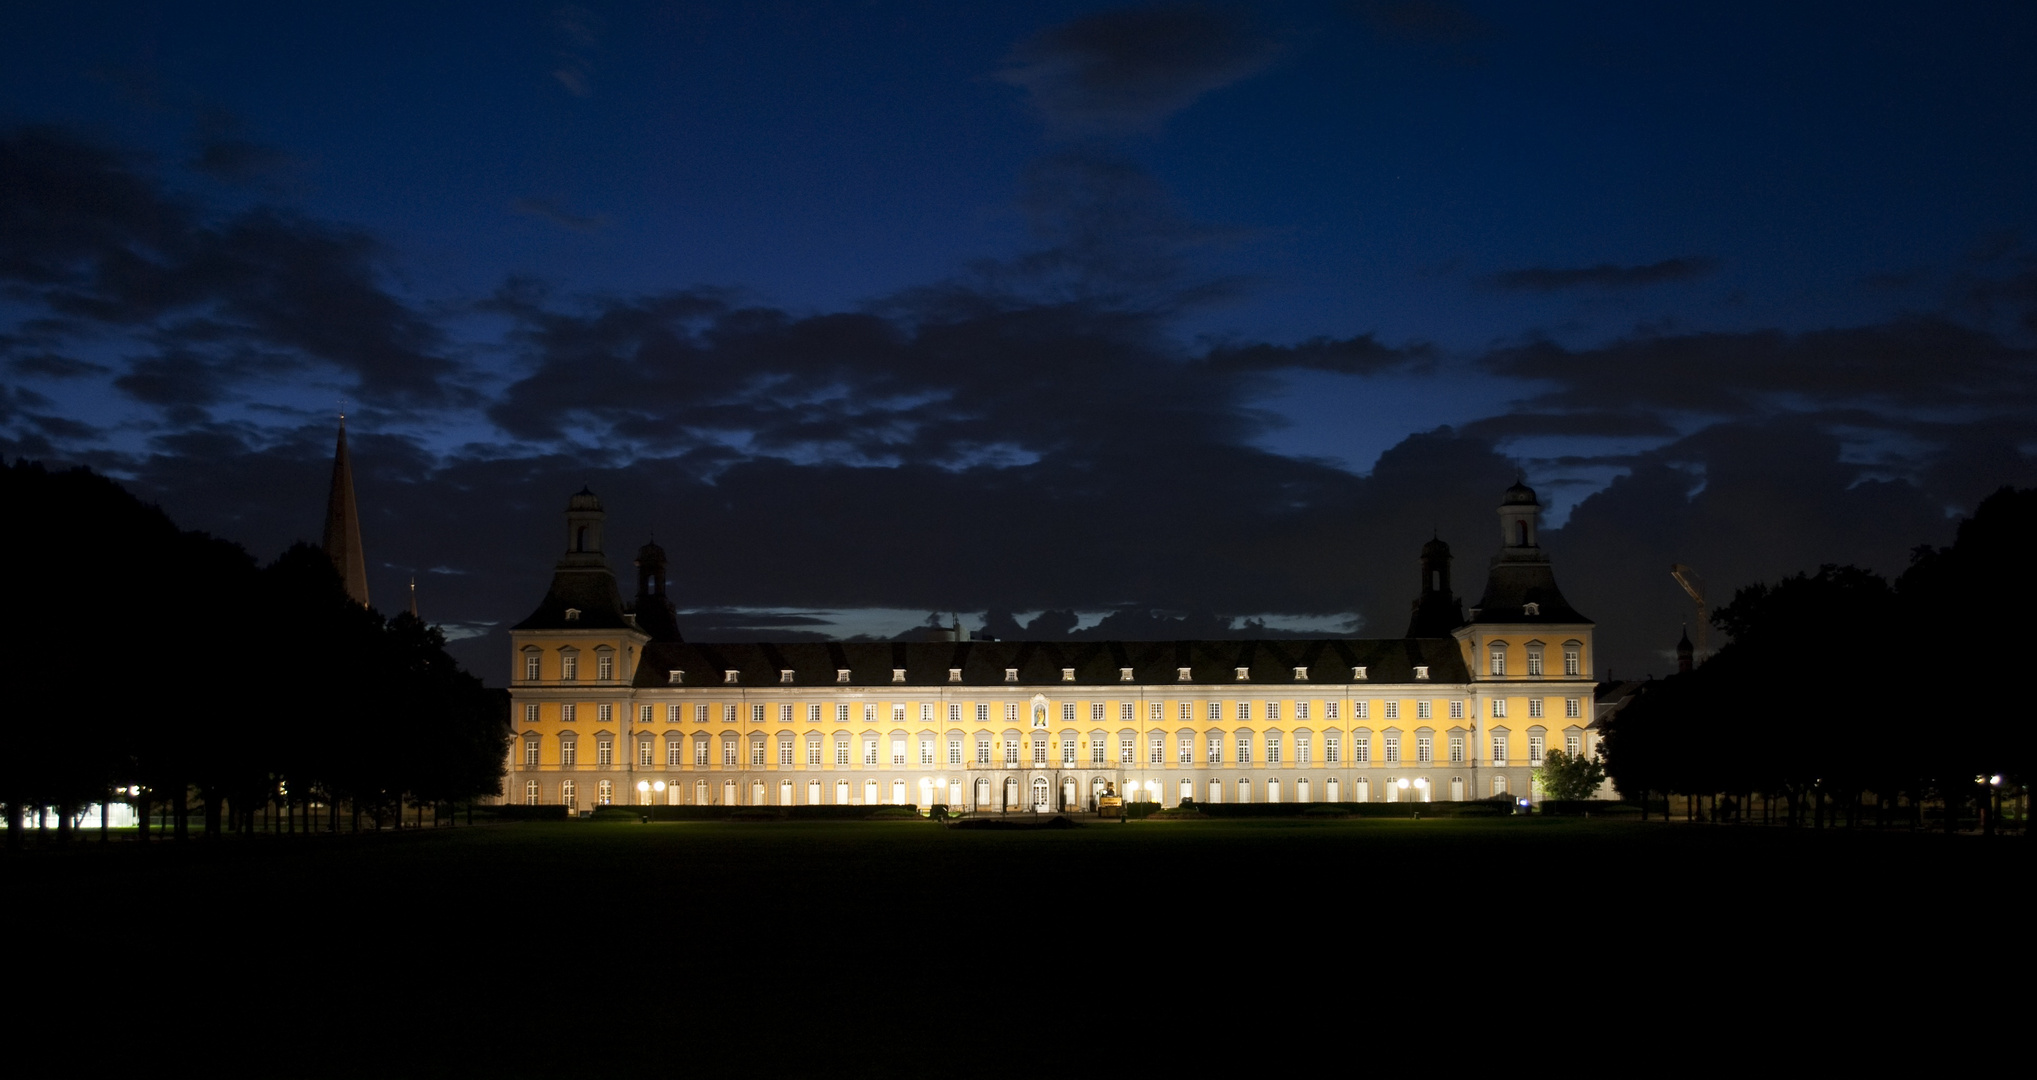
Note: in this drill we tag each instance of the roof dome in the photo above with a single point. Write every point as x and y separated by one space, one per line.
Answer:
651 553
1520 495
583 500
1435 547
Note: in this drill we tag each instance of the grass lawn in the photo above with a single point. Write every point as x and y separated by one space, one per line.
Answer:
453 941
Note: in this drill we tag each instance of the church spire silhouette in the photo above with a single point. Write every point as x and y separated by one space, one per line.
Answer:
343 524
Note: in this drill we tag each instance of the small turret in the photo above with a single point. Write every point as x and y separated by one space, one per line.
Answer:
1437 610
653 610
1684 652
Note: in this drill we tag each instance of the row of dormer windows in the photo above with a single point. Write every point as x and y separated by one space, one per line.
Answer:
733 676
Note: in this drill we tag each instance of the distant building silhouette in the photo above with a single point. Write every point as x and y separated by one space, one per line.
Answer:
343 524
612 707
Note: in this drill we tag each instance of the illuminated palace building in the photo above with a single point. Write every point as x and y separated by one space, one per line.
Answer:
611 705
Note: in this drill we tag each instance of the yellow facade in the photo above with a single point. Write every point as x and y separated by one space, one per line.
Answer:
999 726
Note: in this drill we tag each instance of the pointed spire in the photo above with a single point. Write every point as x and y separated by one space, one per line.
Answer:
413 596
343 524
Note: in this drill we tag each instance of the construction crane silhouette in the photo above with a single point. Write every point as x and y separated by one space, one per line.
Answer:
1695 586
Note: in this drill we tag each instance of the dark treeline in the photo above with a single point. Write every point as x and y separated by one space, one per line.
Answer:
168 669
1845 697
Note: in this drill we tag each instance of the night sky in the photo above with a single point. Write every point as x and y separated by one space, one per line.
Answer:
1189 312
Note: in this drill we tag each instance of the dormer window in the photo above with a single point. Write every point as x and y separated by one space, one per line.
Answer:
1011 674
1244 674
1182 674
1358 673
1067 674
1301 674
785 675
730 677
675 677
1531 609
954 674
1421 671
898 674
1124 674
841 674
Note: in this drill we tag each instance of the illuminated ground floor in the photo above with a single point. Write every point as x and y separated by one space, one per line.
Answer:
1005 790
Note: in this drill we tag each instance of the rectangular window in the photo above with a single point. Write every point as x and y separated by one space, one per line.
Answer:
604 666
1216 711
1011 751
569 753
1393 710
898 751
926 751
605 712
785 751
1573 744
1216 749
1244 711
567 791
1573 708
757 752
700 751
813 751
954 714
1068 711
728 714
869 751
1392 747
1333 753
1095 711
673 753
1244 749
1272 711
756 714
1187 750
1187 712
1301 711
785 713
982 751
1011 712
1534 661
1456 749
982 714
1301 749
1361 749
1573 663
1156 750
1425 749
700 714
1040 751
1098 750
1330 710
841 714
604 752
530 713
1154 713
1272 749
1422 710
568 713
1534 749
841 751
530 753
605 793
813 714
1499 662
530 667
672 714
569 667
1068 751
530 793
1499 708
644 753
1125 749
1499 749
1535 707
1361 710
1456 710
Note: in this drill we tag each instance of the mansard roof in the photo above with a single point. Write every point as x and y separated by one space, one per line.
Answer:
1513 584
1041 664
591 592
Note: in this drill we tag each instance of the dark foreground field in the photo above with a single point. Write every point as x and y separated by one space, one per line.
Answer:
833 948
